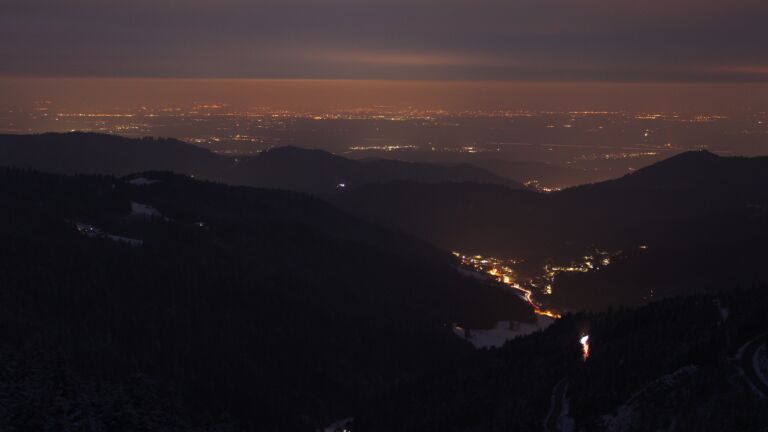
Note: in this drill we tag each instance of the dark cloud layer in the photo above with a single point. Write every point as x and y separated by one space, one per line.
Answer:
559 40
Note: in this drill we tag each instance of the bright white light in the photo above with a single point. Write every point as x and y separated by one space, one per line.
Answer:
585 346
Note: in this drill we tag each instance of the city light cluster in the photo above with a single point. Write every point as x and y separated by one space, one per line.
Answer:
502 272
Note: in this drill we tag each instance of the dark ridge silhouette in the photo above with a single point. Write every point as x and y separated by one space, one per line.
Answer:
268 306
292 168
322 172
693 170
689 189
88 153
546 174
693 201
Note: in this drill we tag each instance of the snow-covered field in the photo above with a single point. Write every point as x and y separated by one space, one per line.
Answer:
142 181
91 231
143 210
503 332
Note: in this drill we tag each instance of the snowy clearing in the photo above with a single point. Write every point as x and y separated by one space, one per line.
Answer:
143 210
142 181
91 231
504 331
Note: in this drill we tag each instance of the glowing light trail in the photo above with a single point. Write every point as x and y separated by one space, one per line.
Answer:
528 296
503 274
585 346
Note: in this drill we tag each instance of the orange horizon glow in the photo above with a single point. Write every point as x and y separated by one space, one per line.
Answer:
108 93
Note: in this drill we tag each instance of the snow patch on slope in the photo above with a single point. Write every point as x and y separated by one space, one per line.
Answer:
760 363
142 181
504 331
143 210
626 415
91 231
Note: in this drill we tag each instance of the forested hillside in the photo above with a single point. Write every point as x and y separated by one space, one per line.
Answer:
267 308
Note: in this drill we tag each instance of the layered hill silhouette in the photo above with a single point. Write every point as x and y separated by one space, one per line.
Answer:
268 307
546 174
688 189
291 168
683 206
155 301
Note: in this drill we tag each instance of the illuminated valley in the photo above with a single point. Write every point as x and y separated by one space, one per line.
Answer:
534 290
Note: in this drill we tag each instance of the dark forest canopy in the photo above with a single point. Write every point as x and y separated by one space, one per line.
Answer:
679 364
268 306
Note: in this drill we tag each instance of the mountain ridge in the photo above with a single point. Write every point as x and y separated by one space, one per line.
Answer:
223 295
695 205
292 168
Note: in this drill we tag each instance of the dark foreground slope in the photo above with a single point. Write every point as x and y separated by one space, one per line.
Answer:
674 365
261 309
291 168
257 310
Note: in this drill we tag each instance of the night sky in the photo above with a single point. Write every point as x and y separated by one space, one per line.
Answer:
533 40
